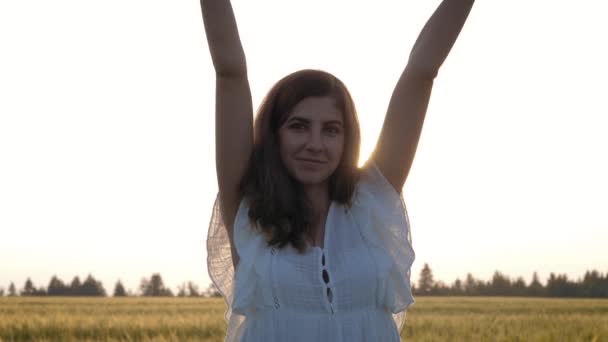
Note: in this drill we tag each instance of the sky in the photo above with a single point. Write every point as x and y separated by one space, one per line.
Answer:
107 161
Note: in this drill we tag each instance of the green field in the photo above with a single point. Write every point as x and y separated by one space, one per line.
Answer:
180 319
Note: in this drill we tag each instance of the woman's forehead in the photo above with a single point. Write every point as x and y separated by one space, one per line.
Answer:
316 109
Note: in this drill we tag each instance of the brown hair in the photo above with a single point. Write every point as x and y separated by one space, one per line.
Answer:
277 204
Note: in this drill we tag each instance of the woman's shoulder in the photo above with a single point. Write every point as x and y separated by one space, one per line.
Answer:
380 211
373 189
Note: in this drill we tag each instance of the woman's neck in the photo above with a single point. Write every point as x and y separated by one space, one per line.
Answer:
318 195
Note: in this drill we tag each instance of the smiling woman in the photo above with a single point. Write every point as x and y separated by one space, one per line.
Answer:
322 249
308 115
311 140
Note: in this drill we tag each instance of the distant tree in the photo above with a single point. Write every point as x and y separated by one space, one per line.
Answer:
594 285
536 288
189 289
12 290
426 282
212 291
92 287
518 288
28 288
603 284
144 286
457 288
75 287
560 286
440 289
181 290
154 287
1 291
193 290
157 285
470 285
484 288
57 287
501 284
41 291
119 290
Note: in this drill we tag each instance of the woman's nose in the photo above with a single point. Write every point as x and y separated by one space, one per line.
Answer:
315 141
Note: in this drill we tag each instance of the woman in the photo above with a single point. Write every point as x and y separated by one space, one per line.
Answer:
321 249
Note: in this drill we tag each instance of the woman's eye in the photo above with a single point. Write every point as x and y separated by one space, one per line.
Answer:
296 126
332 130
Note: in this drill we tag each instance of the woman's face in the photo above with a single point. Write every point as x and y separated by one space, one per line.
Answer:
312 140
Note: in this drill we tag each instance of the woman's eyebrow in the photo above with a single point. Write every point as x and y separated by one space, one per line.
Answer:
329 122
297 118
337 122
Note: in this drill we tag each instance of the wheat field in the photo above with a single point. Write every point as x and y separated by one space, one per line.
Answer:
200 319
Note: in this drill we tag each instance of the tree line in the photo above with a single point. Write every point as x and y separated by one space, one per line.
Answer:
593 285
148 287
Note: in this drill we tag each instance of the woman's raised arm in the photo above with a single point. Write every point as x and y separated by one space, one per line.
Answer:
233 107
400 133
223 38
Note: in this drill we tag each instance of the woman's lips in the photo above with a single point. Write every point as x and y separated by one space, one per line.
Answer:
310 164
310 160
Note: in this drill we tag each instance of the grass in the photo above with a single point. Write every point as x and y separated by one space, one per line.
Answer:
199 319
506 319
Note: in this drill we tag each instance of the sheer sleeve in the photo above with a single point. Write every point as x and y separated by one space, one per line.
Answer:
237 288
382 216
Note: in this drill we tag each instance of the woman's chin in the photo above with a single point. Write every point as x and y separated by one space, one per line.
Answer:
308 178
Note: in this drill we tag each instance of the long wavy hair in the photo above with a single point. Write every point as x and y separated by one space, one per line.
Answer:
277 202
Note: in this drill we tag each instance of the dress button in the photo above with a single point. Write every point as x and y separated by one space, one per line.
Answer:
276 303
272 251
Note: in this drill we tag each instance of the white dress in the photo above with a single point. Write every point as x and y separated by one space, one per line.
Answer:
356 288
